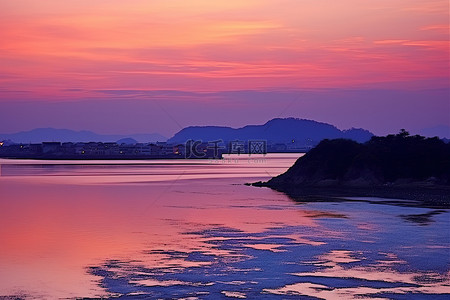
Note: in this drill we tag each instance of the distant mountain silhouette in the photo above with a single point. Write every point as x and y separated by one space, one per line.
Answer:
128 141
65 135
290 130
442 131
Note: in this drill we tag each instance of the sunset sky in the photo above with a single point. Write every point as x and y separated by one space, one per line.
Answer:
139 66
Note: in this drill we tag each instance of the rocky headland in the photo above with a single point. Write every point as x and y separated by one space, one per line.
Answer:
395 166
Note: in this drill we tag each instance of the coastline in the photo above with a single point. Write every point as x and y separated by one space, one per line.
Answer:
418 194
400 166
100 157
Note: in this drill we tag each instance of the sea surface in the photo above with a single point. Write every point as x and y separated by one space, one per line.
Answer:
191 229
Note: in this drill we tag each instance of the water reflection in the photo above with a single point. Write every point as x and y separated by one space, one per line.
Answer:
191 229
379 279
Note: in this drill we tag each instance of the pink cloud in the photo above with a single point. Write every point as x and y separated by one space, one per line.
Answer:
225 45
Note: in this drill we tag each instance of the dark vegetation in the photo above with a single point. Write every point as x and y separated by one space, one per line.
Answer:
396 165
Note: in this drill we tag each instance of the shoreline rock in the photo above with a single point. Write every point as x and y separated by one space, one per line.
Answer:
396 166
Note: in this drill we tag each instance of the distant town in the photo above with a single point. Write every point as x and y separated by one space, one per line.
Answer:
157 150
275 136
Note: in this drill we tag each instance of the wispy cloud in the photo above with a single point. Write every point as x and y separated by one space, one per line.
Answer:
202 45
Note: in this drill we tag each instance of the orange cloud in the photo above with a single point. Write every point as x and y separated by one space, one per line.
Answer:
50 45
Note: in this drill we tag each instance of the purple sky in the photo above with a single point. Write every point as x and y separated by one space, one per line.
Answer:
113 66
166 112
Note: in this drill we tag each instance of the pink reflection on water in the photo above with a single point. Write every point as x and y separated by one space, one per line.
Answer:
57 218
241 167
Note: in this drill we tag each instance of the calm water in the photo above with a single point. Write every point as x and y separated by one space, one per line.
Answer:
192 230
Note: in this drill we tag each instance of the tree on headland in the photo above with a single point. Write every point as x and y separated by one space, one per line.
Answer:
397 159
403 133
